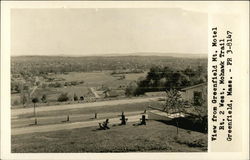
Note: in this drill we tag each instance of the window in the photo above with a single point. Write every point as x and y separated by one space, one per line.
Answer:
197 98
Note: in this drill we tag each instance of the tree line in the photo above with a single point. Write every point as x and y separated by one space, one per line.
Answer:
166 78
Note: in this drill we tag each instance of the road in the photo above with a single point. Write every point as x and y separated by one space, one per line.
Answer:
94 92
67 126
26 122
16 112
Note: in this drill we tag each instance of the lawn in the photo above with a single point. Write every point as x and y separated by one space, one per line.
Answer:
153 137
97 79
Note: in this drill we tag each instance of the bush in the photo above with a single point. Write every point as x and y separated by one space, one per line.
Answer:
81 82
74 83
75 97
63 97
44 85
35 100
58 85
131 89
55 85
44 98
16 102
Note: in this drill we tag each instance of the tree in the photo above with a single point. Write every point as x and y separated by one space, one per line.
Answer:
131 89
35 100
24 98
174 102
63 97
75 97
200 114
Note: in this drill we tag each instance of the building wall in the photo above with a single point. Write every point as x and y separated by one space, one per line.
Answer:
189 93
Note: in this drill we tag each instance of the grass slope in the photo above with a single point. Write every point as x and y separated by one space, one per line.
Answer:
154 137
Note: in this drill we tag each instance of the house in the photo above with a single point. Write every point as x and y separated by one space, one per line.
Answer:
195 93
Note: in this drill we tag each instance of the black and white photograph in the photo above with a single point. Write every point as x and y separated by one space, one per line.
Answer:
108 80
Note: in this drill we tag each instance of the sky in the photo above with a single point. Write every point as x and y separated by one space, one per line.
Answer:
89 31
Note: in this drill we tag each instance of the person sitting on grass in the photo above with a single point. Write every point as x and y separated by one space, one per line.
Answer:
142 121
104 125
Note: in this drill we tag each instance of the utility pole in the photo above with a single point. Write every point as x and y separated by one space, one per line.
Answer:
35 113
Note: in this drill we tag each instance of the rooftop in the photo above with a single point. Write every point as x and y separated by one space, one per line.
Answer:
194 86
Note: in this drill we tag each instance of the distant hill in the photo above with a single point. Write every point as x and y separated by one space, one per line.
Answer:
58 64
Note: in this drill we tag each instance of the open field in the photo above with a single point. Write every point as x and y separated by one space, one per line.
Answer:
154 137
91 79
94 79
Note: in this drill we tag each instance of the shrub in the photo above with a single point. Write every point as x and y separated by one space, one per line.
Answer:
81 98
44 98
44 85
63 97
57 84
74 83
75 97
81 82
35 100
131 89
16 102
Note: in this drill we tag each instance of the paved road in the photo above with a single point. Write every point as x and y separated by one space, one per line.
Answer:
67 126
26 122
16 112
94 92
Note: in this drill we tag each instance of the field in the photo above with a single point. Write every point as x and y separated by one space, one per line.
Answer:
97 80
154 137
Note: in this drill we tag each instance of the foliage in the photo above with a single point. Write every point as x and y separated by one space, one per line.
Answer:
16 102
131 89
23 98
35 100
75 97
63 97
165 78
55 85
201 114
174 102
